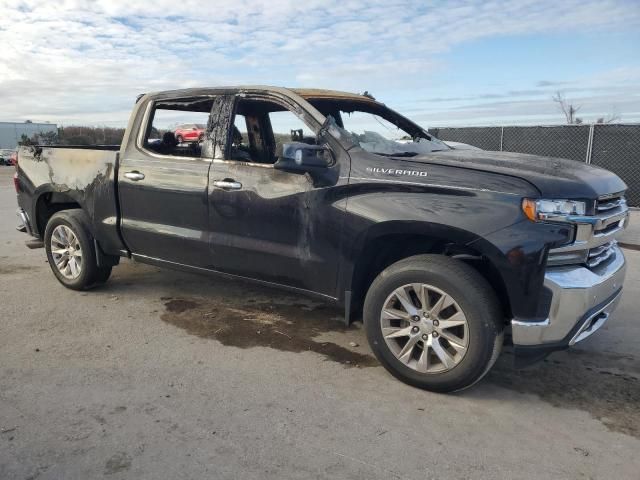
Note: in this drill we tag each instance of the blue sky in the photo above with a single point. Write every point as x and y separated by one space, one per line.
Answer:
441 63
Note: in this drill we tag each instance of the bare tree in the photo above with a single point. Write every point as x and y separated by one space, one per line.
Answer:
611 118
568 109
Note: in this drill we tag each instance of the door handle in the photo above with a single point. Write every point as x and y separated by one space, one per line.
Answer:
135 176
227 184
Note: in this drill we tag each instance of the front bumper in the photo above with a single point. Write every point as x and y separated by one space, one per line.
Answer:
582 300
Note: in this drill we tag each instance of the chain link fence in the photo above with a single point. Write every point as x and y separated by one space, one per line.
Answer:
486 138
615 147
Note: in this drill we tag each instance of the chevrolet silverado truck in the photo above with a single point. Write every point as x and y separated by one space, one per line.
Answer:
442 251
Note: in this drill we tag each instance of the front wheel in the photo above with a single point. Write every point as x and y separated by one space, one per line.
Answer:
433 322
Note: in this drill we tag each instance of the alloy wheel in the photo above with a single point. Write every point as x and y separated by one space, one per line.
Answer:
425 328
66 252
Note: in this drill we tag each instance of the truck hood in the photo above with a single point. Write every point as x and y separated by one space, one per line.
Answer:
553 177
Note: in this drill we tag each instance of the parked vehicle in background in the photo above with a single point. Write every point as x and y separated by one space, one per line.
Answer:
7 156
190 132
442 250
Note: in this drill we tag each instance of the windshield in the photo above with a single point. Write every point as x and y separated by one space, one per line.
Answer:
377 129
376 135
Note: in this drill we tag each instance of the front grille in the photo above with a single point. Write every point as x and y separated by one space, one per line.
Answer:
609 228
595 237
610 210
600 254
611 201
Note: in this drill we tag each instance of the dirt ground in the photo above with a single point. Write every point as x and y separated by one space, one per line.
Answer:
161 374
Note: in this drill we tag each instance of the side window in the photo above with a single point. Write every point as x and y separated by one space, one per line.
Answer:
289 128
177 127
261 128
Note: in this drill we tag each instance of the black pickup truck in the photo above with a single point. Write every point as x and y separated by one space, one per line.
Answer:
333 194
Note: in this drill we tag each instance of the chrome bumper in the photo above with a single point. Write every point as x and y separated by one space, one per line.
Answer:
582 301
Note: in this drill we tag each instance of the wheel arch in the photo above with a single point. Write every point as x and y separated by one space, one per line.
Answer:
389 242
102 259
49 202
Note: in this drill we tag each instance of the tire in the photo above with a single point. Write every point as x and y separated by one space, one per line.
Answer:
103 275
57 238
469 315
179 139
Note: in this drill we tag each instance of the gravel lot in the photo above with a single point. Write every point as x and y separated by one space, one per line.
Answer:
162 374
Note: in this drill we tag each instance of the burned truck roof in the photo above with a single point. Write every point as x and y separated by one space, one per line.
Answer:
306 93
318 93
315 96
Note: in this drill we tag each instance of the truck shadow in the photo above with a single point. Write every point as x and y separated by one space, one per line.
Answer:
280 322
243 315
606 385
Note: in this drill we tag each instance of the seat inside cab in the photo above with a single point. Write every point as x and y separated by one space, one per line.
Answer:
260 129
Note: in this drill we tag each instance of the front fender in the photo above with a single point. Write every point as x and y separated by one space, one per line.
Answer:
518 253
489 223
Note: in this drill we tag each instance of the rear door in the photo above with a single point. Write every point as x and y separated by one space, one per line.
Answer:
163 185
266 223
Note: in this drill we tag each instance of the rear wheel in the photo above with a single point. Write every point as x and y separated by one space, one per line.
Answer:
433 322
70 251
103 275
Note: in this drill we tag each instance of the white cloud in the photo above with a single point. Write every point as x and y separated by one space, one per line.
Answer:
70 61
613 92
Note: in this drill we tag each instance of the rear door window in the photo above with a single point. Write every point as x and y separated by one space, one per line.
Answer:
177 127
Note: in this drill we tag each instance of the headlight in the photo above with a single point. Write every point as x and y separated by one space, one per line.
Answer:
552 210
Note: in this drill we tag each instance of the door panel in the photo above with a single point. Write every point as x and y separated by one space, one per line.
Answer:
276 226
163 186
165 214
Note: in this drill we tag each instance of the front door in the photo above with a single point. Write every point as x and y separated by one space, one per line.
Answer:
265 223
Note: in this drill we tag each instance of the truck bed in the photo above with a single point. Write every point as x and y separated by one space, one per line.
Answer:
67 168
64 175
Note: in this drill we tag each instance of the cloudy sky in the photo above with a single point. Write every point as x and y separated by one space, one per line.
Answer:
441 63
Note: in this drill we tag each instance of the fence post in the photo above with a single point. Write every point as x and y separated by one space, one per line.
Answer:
589 145
501 136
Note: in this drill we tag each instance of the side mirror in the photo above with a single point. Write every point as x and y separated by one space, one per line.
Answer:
298 157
